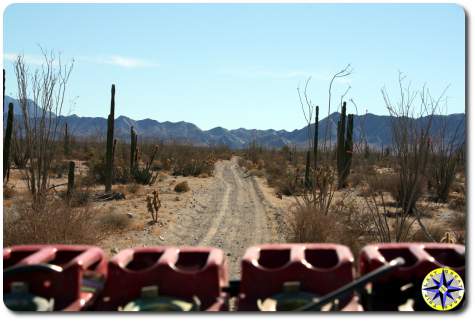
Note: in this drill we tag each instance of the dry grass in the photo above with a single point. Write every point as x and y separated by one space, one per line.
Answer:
435 229
53 222
310 226
182 187
8 191
343 224
457 203
133 188
113 221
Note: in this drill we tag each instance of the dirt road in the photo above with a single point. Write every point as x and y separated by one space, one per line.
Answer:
231 213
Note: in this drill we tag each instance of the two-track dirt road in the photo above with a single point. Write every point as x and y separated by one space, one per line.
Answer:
231 213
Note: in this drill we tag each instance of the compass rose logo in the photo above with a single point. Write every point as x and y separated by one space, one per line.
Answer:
442 289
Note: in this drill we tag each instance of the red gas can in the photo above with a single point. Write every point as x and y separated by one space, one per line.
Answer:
181 272
70 274
394 289
318 268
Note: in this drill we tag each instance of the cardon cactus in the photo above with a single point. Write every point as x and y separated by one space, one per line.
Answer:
7 141
344 148
67 149
71 179
307 171
110 144
315 139
133 150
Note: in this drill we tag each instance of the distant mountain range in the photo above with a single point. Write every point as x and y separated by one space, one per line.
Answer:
377 130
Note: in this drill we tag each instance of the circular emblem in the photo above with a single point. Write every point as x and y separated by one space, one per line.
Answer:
442 289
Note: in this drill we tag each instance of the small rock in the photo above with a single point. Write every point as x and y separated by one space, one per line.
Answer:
161 238
177 199
228 254
114 250
130 215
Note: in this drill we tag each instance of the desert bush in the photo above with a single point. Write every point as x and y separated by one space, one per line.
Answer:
133 188
192 167
52 221
97 170
8 191
80 197
383 228
435 229
113 221
458 221
399 192
457 203
58 168
310 216
310 225
182 187
447 150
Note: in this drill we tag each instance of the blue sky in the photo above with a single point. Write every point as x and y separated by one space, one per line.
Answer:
238 65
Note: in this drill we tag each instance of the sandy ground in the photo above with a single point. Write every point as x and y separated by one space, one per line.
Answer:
230 210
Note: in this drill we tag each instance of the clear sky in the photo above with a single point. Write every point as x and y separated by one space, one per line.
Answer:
237 65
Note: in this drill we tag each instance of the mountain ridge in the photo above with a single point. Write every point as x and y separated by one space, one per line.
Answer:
377 130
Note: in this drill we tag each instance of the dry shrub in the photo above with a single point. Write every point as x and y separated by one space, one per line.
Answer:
458 203
355 226
459 187
113 221
8 191
133 188
59 168
182 187
52 222
310 226
80 197
458 221
405 198
436 230
361 174
257 172
343 224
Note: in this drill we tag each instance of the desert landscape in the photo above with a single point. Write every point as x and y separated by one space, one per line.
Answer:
179 194
227 157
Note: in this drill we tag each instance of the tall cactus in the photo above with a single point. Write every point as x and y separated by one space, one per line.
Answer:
315 140
110 144
7 141
133 150
3 108
66 147
307 181
70 191
344 152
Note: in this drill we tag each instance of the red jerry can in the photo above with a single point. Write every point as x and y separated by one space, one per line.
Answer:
317 269
71 275
177 272
394 289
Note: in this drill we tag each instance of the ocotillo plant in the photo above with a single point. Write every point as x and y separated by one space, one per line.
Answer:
71 179
7 141
344 148
110 144
144 175
67 149
133 150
